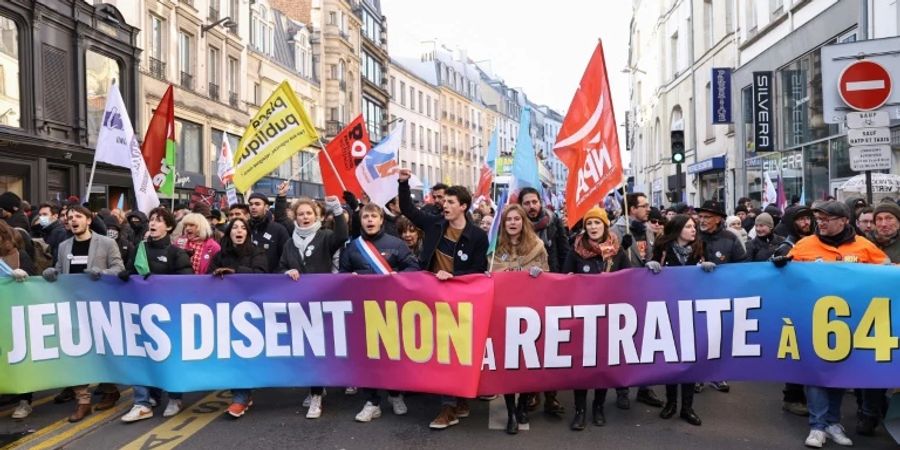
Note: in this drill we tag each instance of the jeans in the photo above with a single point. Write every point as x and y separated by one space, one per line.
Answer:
824 406
83 395
142 395
241 396
447 400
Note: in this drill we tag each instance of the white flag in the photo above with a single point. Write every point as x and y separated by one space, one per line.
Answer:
377 172
769 195
226 170
117 145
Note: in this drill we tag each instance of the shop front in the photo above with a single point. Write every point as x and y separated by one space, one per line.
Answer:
709 177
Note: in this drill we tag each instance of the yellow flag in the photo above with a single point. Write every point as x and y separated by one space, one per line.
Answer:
280 129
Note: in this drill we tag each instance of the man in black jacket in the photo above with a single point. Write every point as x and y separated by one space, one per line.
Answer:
51 229
436 207
451 246
266 233
764 245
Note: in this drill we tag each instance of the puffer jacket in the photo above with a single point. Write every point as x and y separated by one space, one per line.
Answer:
762 248
163 258
393 249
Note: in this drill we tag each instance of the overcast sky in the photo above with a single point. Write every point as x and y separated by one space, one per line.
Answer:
540 46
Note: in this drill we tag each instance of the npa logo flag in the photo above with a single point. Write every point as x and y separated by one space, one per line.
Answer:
280 129
588 143
341 156
377 172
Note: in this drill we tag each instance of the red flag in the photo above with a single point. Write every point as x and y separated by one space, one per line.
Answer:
588 143
346 150
484 182
160 132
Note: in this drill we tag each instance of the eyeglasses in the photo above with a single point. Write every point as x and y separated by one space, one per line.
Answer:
655 221
645 205
822 219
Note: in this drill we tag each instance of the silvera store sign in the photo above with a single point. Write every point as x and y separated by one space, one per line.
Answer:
763 131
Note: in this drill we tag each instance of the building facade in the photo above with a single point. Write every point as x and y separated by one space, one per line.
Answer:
374 61
340 40
57 62
415 101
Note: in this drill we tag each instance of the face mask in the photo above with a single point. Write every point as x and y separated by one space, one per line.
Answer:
44 221
112 234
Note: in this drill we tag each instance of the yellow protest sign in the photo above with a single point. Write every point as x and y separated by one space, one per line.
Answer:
280 129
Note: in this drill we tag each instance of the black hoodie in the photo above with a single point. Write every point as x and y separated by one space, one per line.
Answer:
789 232
141 229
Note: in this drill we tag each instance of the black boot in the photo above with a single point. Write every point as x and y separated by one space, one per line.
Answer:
522 408
552 405
597 415
579 421
865 425
512 426
648 397
691 417
668 411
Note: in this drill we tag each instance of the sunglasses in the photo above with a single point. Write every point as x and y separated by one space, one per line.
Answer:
656 221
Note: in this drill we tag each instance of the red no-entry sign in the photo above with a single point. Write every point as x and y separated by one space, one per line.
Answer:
864 85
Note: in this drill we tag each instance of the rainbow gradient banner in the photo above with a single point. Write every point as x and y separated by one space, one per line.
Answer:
809 323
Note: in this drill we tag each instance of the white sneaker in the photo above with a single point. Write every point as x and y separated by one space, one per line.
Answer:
173 408
22 411
816 439
368 413
138 412
309 396
153 402
350 391
836 433
315 407
398 404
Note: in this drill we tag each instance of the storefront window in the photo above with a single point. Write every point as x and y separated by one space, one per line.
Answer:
100 72
10 102
802 116
747 107
189 157
840 159
815 172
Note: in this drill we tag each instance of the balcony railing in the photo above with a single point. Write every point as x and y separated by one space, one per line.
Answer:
213 14
157 69
187 81
214 91
333 127
233 99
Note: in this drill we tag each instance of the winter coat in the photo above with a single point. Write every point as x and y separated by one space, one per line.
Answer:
319 254
763 248
53 235
722 246
859 250
619 228
25 262
555 238
393 249
270 236
20 222
575 263
103 254
253 262
470 253
511 262
667 257
163 258
891 247
138 234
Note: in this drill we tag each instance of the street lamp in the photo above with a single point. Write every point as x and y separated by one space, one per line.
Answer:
223 21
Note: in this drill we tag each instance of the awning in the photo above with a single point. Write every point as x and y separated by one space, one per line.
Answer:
715 163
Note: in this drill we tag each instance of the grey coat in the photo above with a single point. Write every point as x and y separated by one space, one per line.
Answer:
620 228
103 254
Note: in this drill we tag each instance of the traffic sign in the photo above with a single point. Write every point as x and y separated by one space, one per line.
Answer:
874 157
868 119
869 136
864 85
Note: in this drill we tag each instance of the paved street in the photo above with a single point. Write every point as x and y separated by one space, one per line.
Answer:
749 417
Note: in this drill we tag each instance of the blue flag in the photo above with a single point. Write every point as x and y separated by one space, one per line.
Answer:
525 165
491 157
494 232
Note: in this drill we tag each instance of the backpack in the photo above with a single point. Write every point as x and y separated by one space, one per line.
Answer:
43 255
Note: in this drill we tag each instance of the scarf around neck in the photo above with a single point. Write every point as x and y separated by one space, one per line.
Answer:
586 248
303 236
845 236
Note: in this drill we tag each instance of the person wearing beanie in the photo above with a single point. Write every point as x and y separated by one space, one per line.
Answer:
763 246
596 250
885 234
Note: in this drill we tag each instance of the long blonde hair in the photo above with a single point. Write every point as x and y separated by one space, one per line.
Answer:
527 239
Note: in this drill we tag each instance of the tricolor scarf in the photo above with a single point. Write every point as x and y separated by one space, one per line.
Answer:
372 256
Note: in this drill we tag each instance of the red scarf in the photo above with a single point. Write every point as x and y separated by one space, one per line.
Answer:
196 249
586 248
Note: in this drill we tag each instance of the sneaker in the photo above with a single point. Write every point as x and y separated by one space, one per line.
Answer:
309 397
816 439
721 386
698 388
368 413
237 410
22 411
315 407
398 405
462 408
172 408
138 412
796 408
350 391
447 418
836 433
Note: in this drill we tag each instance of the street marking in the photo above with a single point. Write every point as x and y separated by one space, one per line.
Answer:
75 428
34 404
865 85
84 427
174 431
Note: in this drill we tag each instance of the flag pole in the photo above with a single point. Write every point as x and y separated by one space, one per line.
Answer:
330 163
87 195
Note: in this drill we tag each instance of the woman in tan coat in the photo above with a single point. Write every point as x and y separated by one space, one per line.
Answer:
518 249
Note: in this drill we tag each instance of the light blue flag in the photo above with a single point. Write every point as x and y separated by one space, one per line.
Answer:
525 165
491 157
494 232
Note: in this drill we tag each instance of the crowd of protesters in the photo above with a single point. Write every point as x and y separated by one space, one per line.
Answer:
448 236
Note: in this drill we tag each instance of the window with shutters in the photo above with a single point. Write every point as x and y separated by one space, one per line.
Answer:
100 71
10 100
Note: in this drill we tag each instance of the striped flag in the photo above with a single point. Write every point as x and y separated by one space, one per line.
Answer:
494 233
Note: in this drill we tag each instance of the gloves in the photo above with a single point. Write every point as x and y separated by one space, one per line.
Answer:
351 200
627 240
222 271
94 273
535 271
708 266
334 207
654 267
124 275
19 275
781 261
50 274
